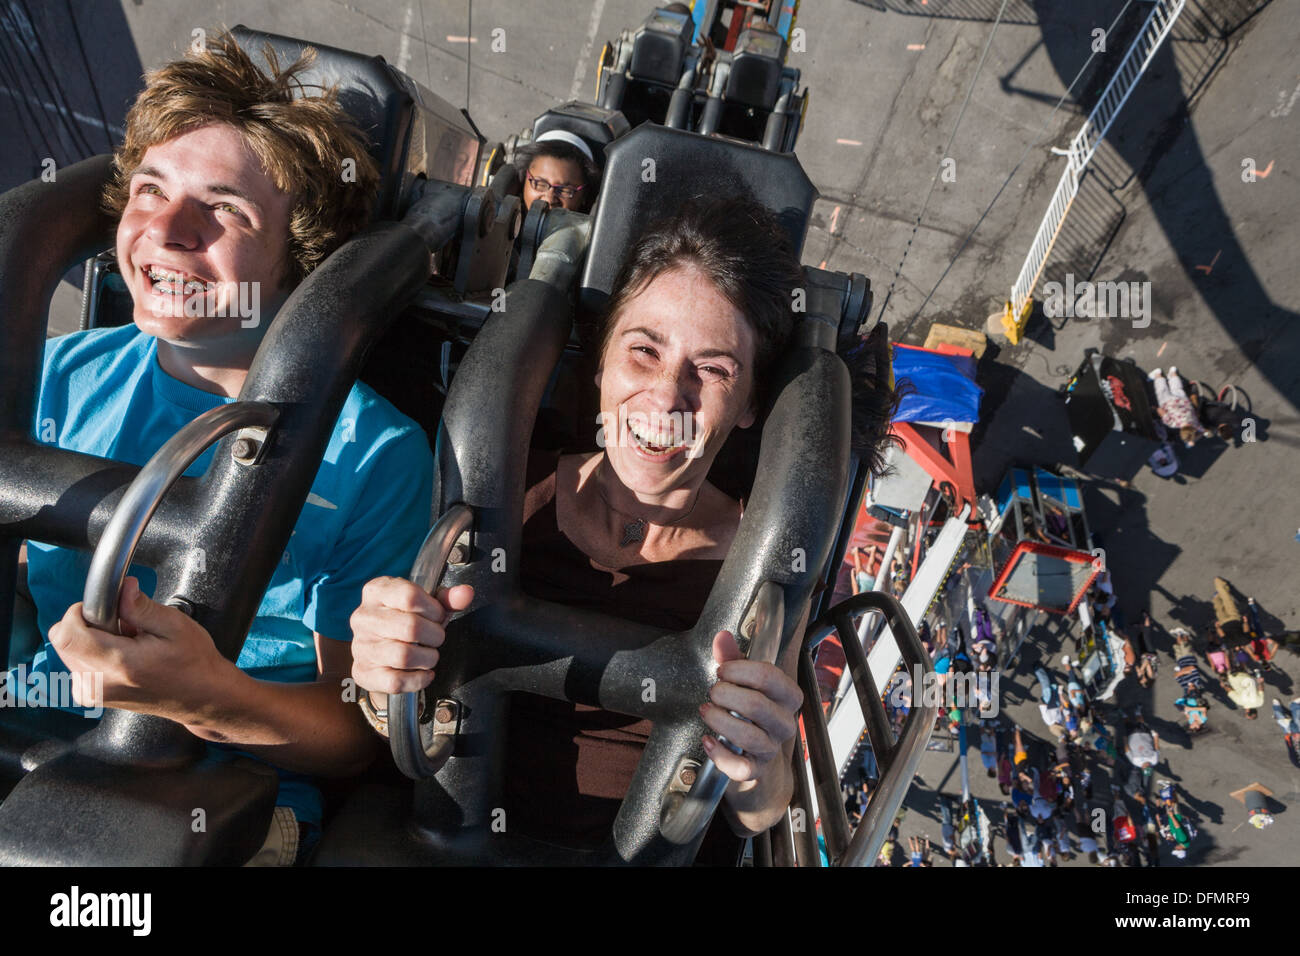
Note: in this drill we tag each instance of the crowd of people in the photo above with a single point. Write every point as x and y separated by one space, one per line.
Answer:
1089 785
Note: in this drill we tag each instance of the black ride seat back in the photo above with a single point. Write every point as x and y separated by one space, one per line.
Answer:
126 792
412 131
653 169
597 126
658 56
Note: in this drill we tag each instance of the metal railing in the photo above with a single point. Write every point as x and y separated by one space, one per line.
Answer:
817 802
1082 148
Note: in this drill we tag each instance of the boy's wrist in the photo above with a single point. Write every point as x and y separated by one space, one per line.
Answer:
229 691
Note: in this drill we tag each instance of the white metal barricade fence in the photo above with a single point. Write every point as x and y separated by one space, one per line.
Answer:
1082 148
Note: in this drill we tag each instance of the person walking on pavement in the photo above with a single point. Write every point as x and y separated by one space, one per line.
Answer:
1175 408
1217 656
1175 827
1261 648
1290 724
1246 691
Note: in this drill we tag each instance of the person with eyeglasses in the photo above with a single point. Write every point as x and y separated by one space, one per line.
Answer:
559 167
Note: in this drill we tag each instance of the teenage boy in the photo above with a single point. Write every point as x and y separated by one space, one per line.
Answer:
229 190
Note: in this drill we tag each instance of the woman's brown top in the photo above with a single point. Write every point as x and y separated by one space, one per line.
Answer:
569 765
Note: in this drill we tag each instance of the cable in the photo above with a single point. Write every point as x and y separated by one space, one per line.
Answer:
1011 175
23 74
59 100
424 39
23 103
94 88
66 111
946 151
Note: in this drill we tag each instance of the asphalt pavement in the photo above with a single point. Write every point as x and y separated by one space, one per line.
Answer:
1193 192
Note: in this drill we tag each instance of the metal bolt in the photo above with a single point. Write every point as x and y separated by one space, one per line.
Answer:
443 715
243 448
457 555
687 776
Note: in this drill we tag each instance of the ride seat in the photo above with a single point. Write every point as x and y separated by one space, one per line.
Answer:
412 131
756 66
759 101
596 125
653 170
507 642
59 496
641 83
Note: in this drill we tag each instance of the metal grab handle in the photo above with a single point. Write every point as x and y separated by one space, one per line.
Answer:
898 762
685 815
122 534
410 753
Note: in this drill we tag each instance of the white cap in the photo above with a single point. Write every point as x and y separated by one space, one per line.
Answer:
564 136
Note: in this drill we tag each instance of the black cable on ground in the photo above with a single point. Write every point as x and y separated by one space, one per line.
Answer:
934 181
1010 176
23 102
94 89
56 97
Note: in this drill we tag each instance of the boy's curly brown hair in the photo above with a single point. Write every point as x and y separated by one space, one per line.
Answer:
302 141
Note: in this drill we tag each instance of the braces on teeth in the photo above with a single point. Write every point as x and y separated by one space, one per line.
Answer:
189 287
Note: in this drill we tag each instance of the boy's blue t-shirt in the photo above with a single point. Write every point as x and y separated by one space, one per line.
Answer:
103 393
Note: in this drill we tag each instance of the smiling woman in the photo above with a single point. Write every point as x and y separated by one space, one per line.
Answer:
697 317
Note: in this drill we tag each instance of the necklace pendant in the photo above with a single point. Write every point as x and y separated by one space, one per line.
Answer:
633 532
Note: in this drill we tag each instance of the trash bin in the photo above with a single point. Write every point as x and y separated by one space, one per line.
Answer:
1112 422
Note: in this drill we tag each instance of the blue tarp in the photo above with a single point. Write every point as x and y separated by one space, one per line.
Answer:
942 386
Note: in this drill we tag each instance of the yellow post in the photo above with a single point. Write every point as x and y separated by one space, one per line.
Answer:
1014 325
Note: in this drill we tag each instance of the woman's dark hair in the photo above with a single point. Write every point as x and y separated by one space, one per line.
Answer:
875 397
566 152
748 257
